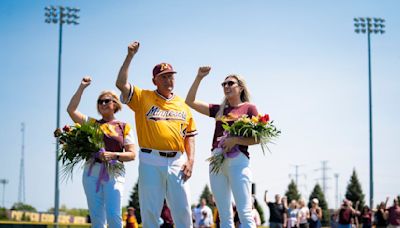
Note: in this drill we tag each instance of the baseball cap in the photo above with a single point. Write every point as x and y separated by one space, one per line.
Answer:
315 200
163 68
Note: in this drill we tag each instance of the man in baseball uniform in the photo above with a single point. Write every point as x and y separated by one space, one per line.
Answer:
165 129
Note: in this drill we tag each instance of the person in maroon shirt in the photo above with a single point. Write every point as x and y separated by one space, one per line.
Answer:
130 218
345 213
235 174
393 214
379 217
366 217
103 190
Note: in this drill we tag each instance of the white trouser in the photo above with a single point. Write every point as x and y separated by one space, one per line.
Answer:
235 176
161 178
104 205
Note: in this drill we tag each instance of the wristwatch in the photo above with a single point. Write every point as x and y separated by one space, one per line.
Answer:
117 157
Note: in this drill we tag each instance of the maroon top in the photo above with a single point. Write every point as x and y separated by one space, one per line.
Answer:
366 218
394 215
245 108
345 215
114 143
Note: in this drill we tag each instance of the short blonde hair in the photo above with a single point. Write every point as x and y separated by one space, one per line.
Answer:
117 102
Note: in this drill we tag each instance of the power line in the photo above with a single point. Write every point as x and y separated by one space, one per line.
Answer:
297 174
324 177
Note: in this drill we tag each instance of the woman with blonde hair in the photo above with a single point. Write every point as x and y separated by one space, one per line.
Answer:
292 214
235 175
303 215
104 195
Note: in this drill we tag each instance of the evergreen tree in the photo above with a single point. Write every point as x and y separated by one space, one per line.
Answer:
317 193
260 210
354 191
206 194
292 193
134 201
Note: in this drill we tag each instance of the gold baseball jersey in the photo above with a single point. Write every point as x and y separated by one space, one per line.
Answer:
161 123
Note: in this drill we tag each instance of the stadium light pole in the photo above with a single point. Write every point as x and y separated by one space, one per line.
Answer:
59 15
367 25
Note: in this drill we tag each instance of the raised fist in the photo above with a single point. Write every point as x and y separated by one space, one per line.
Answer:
133 47
86 81
203 71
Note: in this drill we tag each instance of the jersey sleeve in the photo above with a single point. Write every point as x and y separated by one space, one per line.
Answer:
214 108
126 101
191 128
128 135
134 98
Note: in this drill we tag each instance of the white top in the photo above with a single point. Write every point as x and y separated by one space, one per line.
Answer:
303 212
198 216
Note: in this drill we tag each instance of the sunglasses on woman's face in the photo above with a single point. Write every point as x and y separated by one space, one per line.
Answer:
103 101
228 83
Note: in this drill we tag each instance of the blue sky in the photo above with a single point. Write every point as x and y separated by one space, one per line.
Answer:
303 63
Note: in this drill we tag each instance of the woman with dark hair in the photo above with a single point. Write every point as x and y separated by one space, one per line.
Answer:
366 217
235 175
380 218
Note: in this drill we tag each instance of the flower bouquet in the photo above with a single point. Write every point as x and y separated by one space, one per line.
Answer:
84 143
257 127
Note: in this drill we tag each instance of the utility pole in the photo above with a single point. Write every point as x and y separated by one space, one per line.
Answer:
4 182
21 186
296 174
336 190
324 177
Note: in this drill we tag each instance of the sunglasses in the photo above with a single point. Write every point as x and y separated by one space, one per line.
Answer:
228 83
104 101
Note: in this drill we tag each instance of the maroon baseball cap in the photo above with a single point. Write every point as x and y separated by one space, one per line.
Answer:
163 68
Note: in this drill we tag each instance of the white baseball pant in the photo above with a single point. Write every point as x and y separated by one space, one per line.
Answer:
161 178
235 176
104 205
